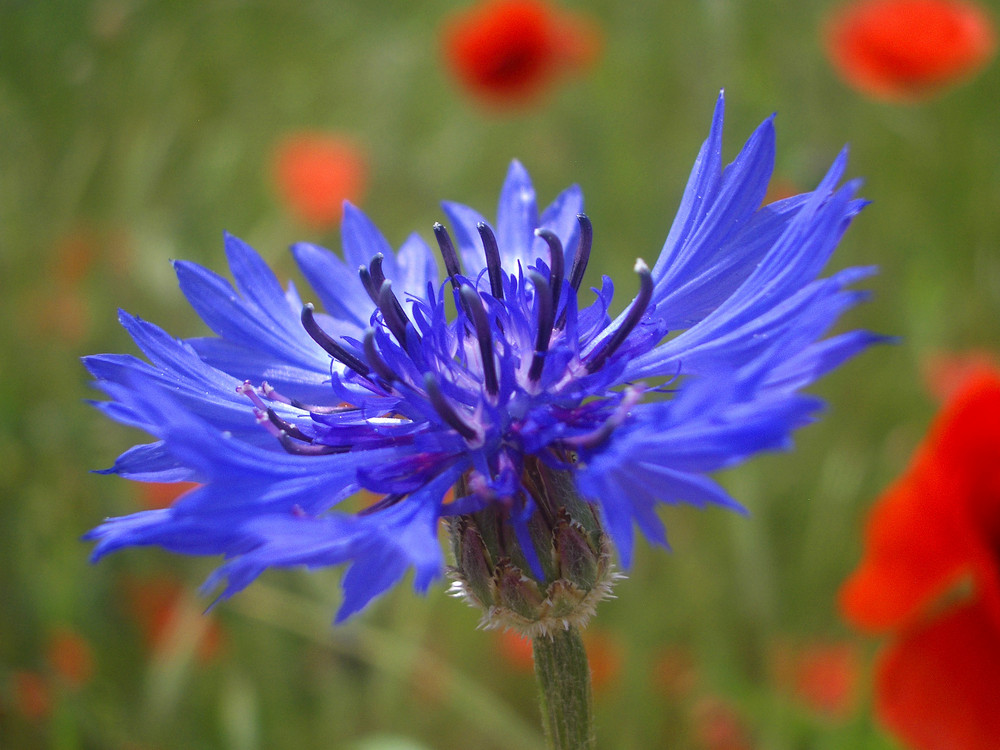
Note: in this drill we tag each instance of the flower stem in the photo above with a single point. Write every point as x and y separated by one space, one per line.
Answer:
564 683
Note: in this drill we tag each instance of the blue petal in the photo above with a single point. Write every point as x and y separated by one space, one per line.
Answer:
517 218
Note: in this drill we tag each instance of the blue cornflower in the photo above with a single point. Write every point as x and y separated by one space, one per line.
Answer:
558 427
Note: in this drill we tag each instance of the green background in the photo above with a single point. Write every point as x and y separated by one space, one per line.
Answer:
147 128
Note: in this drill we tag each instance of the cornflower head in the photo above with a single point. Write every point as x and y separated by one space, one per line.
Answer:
502 399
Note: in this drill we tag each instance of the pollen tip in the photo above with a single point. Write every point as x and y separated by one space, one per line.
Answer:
640 266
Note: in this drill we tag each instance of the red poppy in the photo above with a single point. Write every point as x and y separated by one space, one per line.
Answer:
907 49
167 617
718 726
509 51
674 672
822 675
156 495
31 695
70 656
316 173
931 576
944 372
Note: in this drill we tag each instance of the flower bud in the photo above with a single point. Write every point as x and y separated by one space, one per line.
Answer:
556 583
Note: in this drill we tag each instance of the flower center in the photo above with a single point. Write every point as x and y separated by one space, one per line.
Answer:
511 353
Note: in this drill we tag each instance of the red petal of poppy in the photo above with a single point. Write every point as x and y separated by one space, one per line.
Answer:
316 173
945 372
940 520
937 687
914 551
968 445
508 51
904 49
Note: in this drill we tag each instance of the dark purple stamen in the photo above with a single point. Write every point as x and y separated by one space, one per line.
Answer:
368 283
582 256
448 253
330 346
474 305
543 298
558 264
492 259
375 269
386 502
580 260
445 410
392 313
639 305
287 427
309 449
375 359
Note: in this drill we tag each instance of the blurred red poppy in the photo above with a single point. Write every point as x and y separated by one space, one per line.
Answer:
156 495
675 674
945 372
822 675
31 695
70 656
509 51
160 607
718 726
931 576
908 49
316 173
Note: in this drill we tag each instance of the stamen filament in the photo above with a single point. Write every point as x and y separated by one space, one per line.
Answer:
375 359
375 269
448 253
639 305
492 259
580 260
392 313
386 502
327 343
474 305
369 283
543 297
445 410
286 426
557 264
582 256
309 449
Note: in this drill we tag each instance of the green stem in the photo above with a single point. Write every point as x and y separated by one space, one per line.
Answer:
564 683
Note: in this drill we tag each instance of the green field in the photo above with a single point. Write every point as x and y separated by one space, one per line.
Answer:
133 133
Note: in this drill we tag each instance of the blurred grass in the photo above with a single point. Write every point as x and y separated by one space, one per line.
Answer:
141 130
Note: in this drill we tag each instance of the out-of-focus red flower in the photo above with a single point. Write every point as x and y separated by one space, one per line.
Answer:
674 672
316 173
157 495
908 49
930 575
70 656
604 653
515 650
66 313
160 606
31 695
822 675
509 51
945 372
717 726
